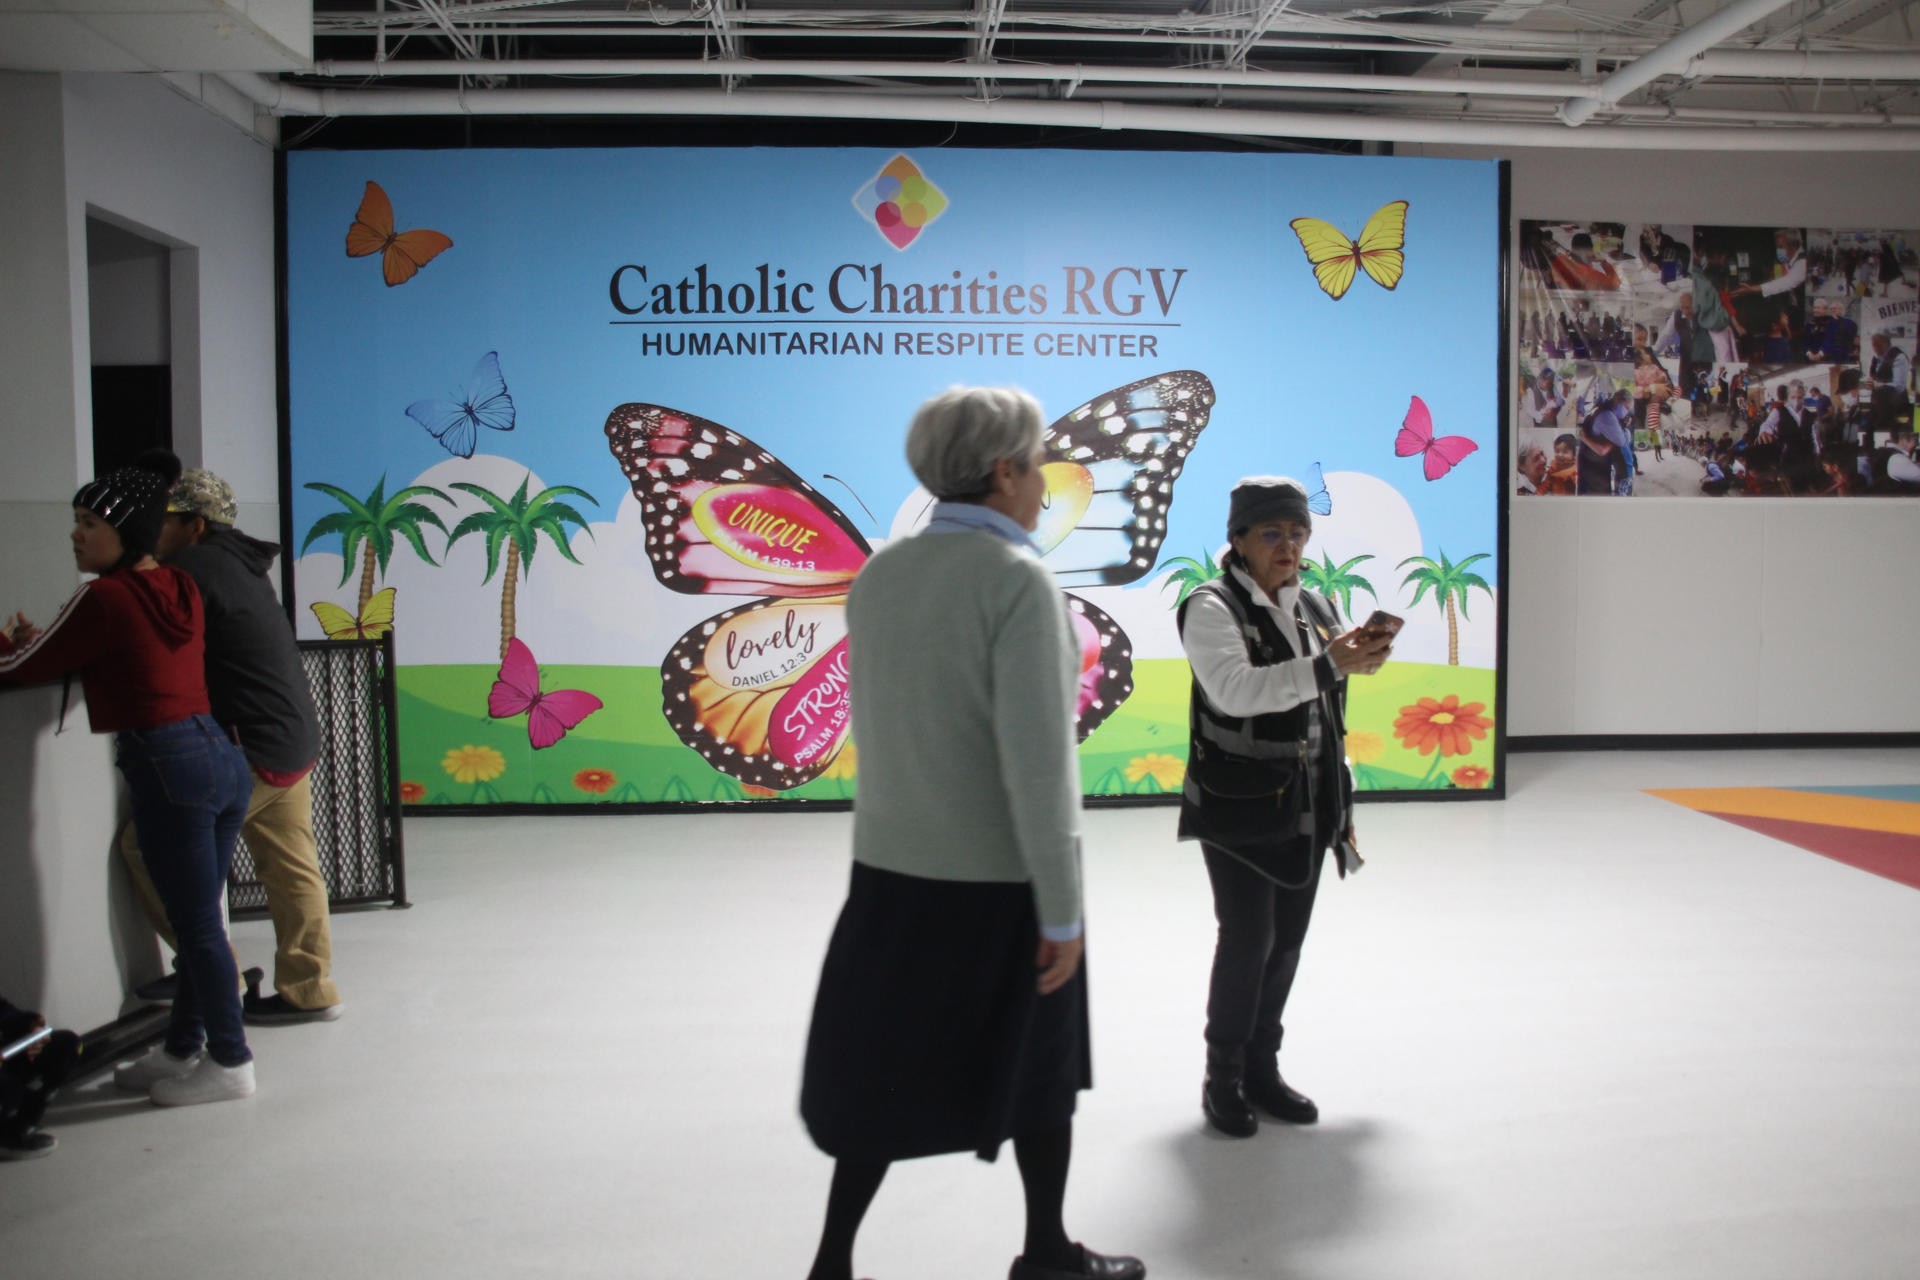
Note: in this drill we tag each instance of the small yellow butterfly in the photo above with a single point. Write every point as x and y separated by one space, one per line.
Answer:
1377 251
374 621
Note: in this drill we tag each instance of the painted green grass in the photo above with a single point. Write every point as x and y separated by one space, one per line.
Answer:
627 753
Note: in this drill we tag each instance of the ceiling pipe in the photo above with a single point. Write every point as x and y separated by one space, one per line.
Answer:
280 98
1672 56
1759 64
1210 77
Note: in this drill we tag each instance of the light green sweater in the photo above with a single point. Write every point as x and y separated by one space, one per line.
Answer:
965 686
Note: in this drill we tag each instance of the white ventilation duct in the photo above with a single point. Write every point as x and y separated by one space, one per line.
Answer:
283 99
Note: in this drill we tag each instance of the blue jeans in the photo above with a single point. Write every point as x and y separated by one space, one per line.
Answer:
190 786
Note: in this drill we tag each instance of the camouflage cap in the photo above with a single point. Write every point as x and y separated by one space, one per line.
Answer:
202 493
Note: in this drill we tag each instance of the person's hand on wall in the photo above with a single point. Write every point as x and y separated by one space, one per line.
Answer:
1360 651
20 631
1058 962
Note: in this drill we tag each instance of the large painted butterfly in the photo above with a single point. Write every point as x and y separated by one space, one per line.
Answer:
1378 251
1440 454
485 403
517 689
761 690
402 253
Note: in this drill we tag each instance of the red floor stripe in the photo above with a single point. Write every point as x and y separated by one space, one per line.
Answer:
1885 853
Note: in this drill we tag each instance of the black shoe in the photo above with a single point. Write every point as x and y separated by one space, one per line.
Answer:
28 1145
277 1009
251 979
1225 1103
1272 1095
1093 1266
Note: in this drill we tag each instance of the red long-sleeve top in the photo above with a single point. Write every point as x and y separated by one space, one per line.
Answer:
135 638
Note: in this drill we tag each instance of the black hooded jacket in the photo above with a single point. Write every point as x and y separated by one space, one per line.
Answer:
254 678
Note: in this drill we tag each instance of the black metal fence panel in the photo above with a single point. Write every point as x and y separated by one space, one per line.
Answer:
356 781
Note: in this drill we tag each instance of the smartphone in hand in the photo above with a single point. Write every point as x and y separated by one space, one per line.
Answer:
1380 622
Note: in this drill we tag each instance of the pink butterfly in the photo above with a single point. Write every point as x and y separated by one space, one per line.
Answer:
1442 453
549 715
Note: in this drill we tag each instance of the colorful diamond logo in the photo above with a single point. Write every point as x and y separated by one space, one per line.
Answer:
900 202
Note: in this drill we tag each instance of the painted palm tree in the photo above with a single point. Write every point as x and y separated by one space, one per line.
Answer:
516 524
1190 575
1450 582
370 524
1337 582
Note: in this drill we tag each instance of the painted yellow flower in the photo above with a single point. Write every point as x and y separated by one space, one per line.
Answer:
1165 770
1365 746
844 765
474 764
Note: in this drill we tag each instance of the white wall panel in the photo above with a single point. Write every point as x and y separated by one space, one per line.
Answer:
1701 581
1687 660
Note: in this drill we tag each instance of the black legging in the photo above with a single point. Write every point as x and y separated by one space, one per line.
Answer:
1043 1159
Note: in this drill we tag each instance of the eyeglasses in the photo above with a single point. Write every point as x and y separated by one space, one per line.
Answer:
1273 535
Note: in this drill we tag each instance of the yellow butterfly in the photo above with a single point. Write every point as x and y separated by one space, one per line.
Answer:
1377 251
374 621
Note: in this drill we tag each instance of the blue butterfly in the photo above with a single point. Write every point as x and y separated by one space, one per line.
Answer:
486 403
1320 502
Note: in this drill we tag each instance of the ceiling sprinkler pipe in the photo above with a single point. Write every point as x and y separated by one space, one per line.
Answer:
1672 56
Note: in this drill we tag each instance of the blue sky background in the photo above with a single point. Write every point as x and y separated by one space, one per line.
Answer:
537 234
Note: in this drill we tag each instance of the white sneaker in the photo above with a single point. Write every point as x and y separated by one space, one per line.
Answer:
157 1065
207 1082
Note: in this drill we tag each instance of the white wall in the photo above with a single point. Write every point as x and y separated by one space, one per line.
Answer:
130 150
140 155
1750 615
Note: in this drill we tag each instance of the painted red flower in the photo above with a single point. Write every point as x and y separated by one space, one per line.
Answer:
1444 723
596 781
1471 776
413 792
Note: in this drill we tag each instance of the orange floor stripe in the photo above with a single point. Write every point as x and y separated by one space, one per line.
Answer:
1864 813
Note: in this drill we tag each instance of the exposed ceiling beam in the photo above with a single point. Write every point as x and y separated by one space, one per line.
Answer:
1237 56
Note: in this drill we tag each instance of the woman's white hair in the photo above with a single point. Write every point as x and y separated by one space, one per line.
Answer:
957 436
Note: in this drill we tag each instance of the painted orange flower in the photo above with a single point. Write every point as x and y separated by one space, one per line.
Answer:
1165 770
752 792
1445 723
413 792
596 781
1471 776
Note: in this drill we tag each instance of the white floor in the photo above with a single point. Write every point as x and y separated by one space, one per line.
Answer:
1582 1033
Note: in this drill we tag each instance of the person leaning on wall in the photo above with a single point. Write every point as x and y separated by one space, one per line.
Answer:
259 693
134 635
952 1007
1267 789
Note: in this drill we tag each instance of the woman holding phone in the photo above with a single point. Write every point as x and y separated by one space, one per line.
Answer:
1267 790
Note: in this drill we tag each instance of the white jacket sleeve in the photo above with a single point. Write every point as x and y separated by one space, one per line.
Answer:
1218 655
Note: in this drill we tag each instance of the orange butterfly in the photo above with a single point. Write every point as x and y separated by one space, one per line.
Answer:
401 253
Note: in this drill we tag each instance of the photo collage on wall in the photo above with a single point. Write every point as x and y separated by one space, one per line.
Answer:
1659 360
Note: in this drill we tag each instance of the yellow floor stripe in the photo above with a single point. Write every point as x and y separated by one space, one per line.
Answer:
1861 812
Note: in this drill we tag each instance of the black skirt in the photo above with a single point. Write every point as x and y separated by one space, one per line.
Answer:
928 1034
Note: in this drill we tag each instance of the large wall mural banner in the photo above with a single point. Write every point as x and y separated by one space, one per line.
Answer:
604 436
1691 361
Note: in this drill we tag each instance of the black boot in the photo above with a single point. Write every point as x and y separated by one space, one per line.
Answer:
1266 1090
1223 1099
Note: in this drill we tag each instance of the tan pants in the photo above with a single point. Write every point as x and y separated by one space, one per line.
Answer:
279 835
